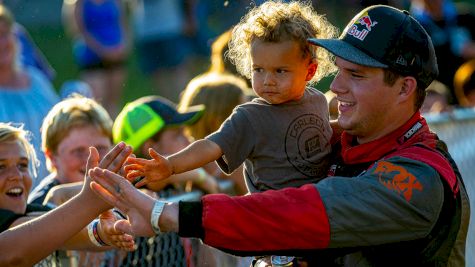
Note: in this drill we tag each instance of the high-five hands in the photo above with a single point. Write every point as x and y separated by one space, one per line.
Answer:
119 192
112 161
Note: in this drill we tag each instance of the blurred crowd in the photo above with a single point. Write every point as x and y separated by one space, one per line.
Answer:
181 46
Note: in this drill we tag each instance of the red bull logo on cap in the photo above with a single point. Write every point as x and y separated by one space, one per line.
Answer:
365 21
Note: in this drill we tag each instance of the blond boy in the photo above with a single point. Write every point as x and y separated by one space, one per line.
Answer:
68 130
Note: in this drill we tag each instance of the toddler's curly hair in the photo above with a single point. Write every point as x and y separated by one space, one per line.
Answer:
276 21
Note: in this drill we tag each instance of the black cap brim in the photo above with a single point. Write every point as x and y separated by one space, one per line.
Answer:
189 117
347 52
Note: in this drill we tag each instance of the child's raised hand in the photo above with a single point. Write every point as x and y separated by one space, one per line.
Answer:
154 170
111 236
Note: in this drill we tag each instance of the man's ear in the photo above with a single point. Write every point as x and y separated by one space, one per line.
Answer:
408 86
311 69
407 89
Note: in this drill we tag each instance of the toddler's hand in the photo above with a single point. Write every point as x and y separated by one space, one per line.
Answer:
154 170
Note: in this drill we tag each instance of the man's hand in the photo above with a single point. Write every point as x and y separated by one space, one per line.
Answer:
119 192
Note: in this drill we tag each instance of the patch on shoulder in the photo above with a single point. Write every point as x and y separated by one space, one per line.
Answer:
397 178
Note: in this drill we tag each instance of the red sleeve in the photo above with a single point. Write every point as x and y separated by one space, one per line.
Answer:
268 221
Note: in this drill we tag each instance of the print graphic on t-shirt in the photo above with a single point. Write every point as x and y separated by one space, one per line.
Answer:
303 144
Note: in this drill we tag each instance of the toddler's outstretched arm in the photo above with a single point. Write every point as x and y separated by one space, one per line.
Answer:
158 168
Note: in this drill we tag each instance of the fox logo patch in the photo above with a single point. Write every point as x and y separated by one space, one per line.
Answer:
397 178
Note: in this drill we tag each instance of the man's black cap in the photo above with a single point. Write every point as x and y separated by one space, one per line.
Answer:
385 37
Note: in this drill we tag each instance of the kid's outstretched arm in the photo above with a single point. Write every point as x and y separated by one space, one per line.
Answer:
158 168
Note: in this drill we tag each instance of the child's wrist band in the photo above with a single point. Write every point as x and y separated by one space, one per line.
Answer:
94 234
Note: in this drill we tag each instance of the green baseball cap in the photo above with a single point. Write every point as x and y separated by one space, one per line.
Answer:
143 118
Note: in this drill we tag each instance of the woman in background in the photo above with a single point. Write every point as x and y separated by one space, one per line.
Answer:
100 47
26 95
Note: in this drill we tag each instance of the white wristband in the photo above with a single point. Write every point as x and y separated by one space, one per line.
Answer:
92 232
155 216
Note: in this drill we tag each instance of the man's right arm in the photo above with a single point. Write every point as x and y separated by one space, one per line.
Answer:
396 200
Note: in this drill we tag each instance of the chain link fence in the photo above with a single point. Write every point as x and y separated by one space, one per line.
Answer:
457 129
166 249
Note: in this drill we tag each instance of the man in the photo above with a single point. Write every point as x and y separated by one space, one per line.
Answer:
394 194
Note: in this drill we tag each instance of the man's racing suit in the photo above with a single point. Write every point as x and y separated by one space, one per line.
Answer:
396 200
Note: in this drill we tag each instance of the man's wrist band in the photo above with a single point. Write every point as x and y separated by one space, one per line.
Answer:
94 234
155 216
